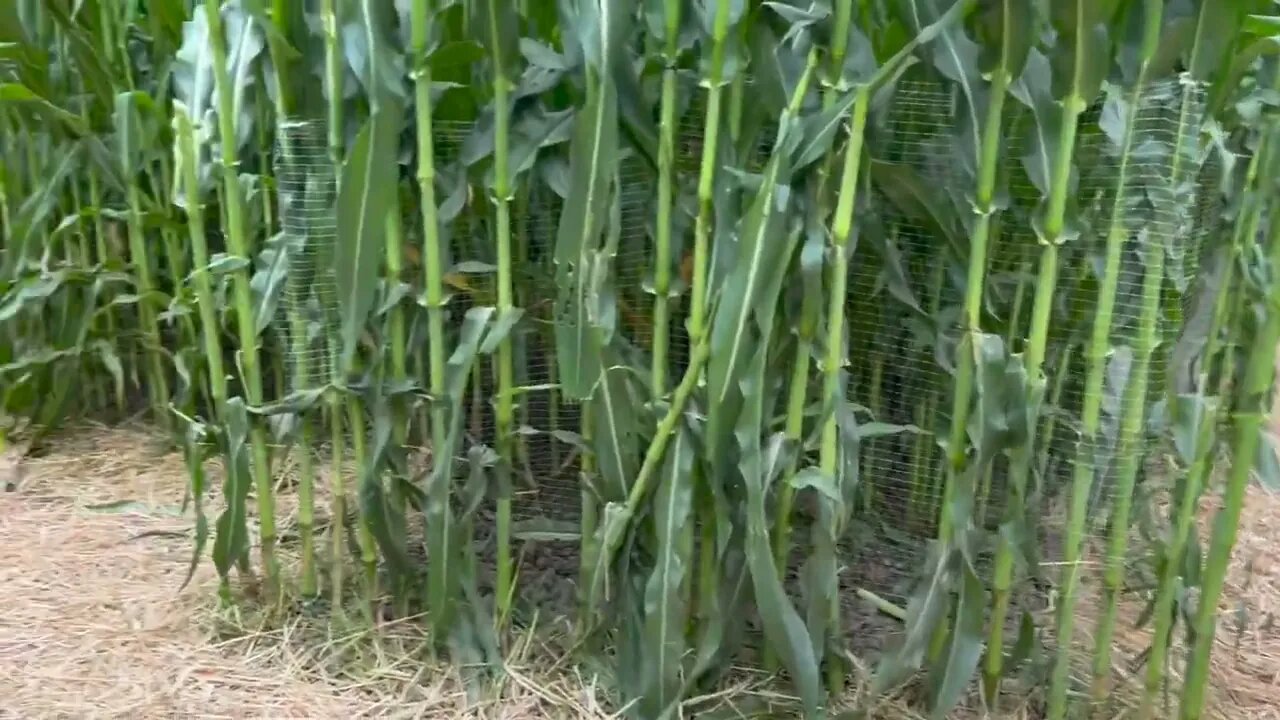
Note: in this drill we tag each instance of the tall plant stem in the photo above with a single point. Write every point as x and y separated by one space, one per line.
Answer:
100 245
810 308
828 454
238 246
705 514
337 507
303 374
333 76
397 361
399 368
1072 107
666 198
438 493
1204 449
157 378
505 411
589 544
210 331
1096 359
364 535
1132 450
1251 409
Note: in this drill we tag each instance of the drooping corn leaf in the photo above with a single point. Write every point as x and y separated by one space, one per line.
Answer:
614 433
665 609
760 465
369 178
964 646
592 163
231 537
385 521
196 449
443 577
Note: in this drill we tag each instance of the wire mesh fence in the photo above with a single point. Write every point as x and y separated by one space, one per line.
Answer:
306 187
904 307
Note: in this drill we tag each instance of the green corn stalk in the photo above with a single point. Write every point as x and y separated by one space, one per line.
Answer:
499 27
1133 413
364 535
1087 53
809 310
666 197
177 265
367 195
333 78
1248 416
334 400
284 18
438 515
337 508
708 584
99 235
1200 63
1011 57
238 246
398 360
1197 476
157 380
674 502
841 230
210 329
1099 343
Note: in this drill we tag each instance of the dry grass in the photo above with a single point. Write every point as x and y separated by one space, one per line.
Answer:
94 546
93 549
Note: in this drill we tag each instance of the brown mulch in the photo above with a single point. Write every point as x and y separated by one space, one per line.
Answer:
93 550
94 547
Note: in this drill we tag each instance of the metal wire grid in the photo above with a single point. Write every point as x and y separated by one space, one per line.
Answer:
897 371
307 196
895 357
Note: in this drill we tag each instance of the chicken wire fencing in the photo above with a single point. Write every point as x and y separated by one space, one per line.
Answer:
906 295
306 191
1142 194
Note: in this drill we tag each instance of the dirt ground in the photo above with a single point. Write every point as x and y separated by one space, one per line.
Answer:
94 547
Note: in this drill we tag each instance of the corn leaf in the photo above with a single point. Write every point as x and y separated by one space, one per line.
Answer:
444 580
231 538
369 178
665 609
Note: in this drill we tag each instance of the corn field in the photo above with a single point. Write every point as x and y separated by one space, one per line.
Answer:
801 335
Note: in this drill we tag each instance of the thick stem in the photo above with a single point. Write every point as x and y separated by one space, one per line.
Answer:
238 246
505 410
307 585
1130 456
797 391
438 493
210 331
1133 413
1248 425
338 507
1202 463
1083 476
708 571
157 378
828 455
333 76
364 534
1040 316
666 199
